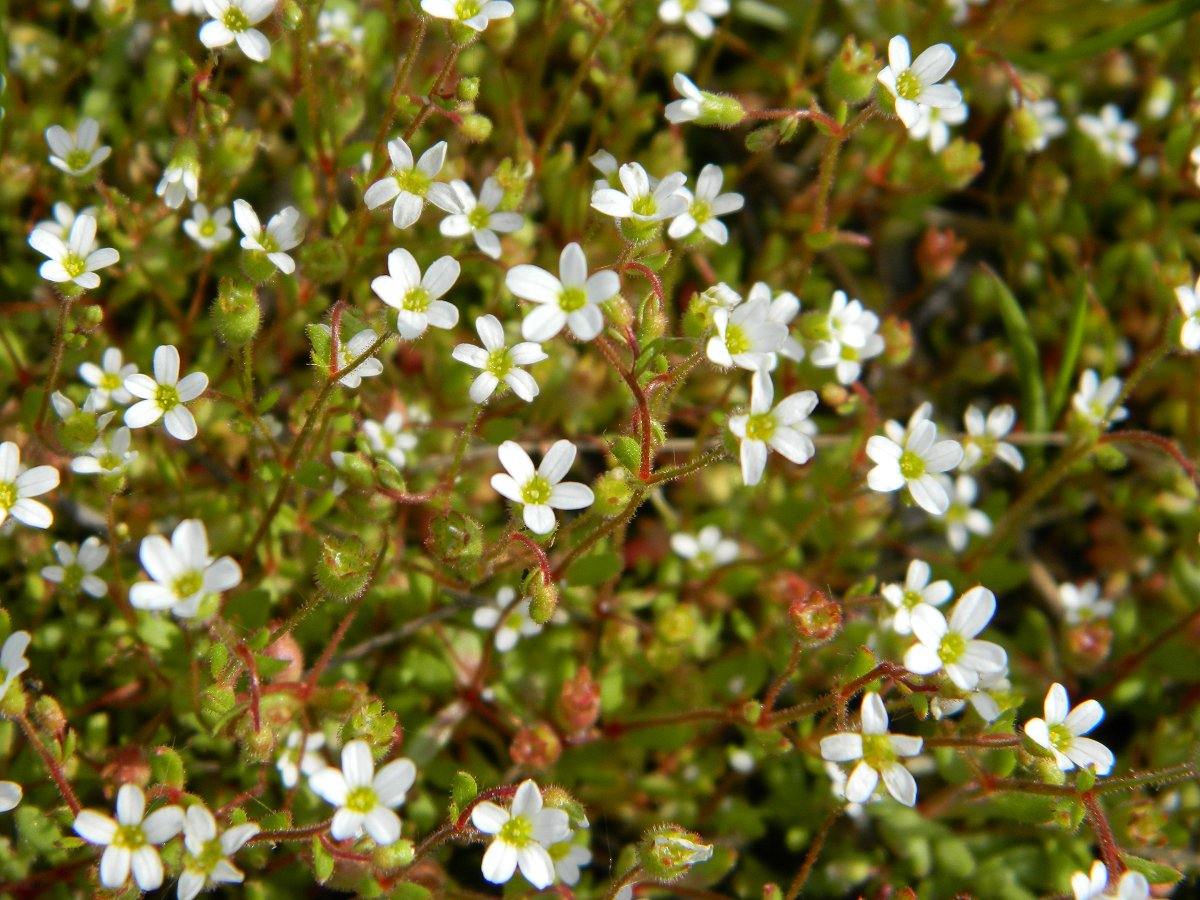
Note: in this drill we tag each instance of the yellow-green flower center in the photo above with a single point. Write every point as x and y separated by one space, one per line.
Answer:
912 466
911 600
188 584
478 217
1060 737
536 491
72 576
645 205
416 300
78 159
131 837
760 427
235 20
110 381
465 9
701 211
8 495
908 85
109 461
736 340
268 243
361 800
517 831
208 228
413 181
849 353
74 265
208 857
572 298
498 362
952 647
877 751
166 397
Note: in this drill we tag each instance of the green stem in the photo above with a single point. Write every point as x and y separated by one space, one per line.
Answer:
56 357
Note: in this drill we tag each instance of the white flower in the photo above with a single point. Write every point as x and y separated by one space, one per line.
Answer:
477 218
182 570
706 550
1189 305
129 840
188 7
568 857
1112 135
747 337
851 339
75 569
78 154
281 234
543 490
784 429
63 218
17 487
704 207
573 298
521 836
1061 732
514 617
915 84
164 395
74 259
984 437
934 123
292 762
499 362
690 107
109 456
206 863
349 351
1082 603
365 799
1036 122
13 663
783 308
641 199
877 752
980 698
336 26
913 594
952 646
11 794
961 519
389 437
1132 886
408 182
415 298
697 15
1096 401
914 462
606 164
179 182
208 230
475 14
233 20
108 379
65 409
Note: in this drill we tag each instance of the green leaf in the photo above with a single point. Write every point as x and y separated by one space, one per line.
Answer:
166 766
595 569
1097 44
322 861
628 452
1071 348
1156 873
1025 355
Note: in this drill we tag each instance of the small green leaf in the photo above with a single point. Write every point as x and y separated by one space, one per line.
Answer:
595 569
1156 873
1071 347
322 861
1025 354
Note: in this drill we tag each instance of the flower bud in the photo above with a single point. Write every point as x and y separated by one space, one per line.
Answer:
236 313
463 789
543 598
613 490
666 852
467 89
1089 643
323 260
396 855
852 73
938 253
898 340
536 746
579 702
678 624
817 618
455 538
343 568
286 648
476 128
258 746
49 715
554 797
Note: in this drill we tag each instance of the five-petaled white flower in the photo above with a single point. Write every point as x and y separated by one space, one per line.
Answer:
786 428
349 351
107 456
206 863
129 840
952 645
705 550
474 14
877 752
914 462
512 616
641 199
209 230
17 488
408 182
1094 886
77 258
336 26
281 234
79 154
499 362
13 663
747 336
416 299
1082 603
164 395
934 123
63 217
573 298
10 795
1035 122
108 379
234 20
1189 305
850 338
697 15
984 437
388 438
913 594
65 409
1061 732
476 217
543 490
961 519
704 206
182 570
915 83
293 762
691 107
179 181
1096 400
521 836
365 798
782 308
1113 135
568 858
75 569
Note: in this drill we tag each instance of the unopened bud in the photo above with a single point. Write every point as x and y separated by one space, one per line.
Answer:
258 746
236 312
467 89
393 856
938 252
816 618
476 128
49 715
536 747
579 702
543 598
852 73
343 568
613 490
898 340
666 852
1089 643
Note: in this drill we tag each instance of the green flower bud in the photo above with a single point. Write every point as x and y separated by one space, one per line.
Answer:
257 267
467 89
323 260
476 128
678 624
235 150
455 538
852 73
343 568
463 789
258 746
543 597
393 856
667 851
612 489
236 313
638 231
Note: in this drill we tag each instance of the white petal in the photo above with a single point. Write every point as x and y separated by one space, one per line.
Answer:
499 862
842 747
382 825
94 827
516 461
539 518
488 817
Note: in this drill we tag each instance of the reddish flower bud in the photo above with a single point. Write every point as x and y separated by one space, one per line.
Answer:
579 702
817 618
536 747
